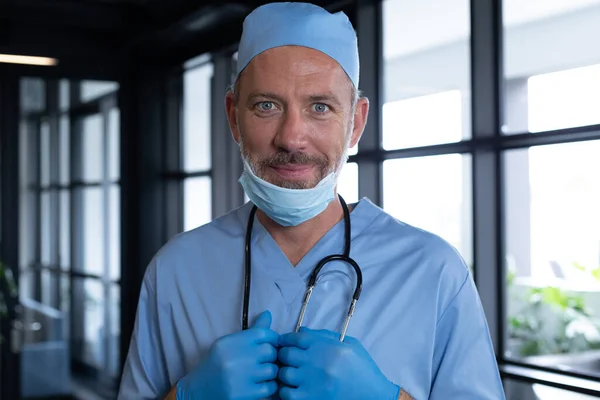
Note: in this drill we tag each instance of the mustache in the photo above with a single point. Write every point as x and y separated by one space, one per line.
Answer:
280 158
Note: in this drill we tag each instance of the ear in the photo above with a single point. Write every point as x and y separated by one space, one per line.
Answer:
231 109
361 113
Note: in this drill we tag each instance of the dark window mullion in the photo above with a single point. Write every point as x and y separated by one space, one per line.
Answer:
487 104
77 301
370 37
105 110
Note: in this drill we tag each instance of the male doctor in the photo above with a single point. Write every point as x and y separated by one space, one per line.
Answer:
418 329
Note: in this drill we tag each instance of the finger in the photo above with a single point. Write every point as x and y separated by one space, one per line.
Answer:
264 320
289 376
302 340
292 356
266 353
265 372
264 390
289 393
327 333
264 335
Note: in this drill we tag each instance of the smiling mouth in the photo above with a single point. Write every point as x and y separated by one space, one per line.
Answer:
294 171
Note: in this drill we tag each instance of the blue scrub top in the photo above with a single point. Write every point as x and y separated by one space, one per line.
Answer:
419 315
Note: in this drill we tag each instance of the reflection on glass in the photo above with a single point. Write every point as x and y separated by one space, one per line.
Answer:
348 183
115 330
93 231
432 193
553 255
114 135
93 148
197 121
46 228
114 229
551 64
45 153
426 47
64 260
64 150
197 199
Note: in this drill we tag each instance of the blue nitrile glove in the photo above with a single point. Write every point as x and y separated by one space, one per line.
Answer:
316 365
238 366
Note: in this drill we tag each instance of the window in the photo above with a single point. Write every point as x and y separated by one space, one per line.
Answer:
552 191
551 65
432 193
196 146
348 182
70 191
553 254
425 104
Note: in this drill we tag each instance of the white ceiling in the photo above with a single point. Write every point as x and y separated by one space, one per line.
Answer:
415 25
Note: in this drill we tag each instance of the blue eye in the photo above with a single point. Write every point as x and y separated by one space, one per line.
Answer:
320 107
265 105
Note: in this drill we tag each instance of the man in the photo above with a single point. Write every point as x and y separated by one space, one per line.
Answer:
418 329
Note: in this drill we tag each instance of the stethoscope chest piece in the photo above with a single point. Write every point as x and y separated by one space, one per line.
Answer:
313 277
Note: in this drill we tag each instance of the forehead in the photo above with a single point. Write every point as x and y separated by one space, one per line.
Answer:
295 68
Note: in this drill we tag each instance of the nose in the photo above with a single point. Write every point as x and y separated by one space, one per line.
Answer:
292 132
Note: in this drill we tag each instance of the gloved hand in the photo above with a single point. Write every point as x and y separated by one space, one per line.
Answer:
238 366
316 365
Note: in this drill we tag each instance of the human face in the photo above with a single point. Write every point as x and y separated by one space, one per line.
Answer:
294 119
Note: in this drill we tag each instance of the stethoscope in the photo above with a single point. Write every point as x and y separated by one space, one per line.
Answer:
314 276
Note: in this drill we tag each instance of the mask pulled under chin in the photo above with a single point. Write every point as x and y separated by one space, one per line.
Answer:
288 207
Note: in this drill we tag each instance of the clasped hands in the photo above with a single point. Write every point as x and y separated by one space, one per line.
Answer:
311 364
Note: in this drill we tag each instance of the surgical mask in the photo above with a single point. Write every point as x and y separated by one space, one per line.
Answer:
287 207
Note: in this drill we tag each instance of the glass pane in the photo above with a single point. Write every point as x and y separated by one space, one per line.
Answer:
553 255
64 150
45 153
115 330
26 284
425 104
425 120
32 95
46 287
114 135
90 330
114 229
46 257
197 121
28 231
64 96
432 193
91 90
93 231
65 230
93 148
551 64
348 183
197 194
65 302
516 390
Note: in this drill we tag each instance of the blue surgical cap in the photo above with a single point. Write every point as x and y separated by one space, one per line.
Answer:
300 24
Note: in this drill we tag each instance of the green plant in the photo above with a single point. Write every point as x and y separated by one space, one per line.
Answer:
7 287
553 321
